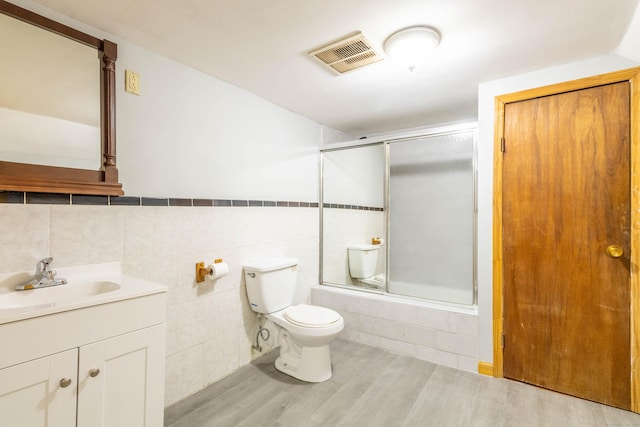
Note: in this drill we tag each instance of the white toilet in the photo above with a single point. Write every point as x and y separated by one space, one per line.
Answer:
306 330
363 260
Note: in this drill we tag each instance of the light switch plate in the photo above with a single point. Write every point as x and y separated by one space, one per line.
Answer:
132 82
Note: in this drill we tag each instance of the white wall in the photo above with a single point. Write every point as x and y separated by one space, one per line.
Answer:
355 176
630 45
486 95
189 135
332 136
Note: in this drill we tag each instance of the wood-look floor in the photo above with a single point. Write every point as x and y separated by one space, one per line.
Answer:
372 387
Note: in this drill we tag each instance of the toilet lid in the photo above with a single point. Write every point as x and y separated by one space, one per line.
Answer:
310 316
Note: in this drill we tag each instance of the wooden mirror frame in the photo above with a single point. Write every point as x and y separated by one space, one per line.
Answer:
54 179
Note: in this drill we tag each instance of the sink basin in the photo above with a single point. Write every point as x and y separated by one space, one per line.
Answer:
87 286
55 294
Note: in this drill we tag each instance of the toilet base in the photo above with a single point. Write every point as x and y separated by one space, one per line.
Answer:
310 364
373 282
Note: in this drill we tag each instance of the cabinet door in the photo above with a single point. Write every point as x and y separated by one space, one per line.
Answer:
121 380
40 392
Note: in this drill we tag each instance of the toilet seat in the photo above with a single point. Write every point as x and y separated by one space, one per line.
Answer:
311 316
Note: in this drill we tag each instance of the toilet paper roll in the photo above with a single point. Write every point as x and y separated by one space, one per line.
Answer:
218 270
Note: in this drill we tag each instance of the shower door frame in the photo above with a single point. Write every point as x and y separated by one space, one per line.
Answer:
386 141
342 147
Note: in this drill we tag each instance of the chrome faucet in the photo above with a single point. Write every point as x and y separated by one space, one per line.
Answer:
45 277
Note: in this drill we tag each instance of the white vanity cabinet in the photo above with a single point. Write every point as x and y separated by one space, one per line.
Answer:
119 380
96 366
31 393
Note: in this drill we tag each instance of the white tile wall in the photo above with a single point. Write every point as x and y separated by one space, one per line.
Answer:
86 234
210 327
26 236
439 334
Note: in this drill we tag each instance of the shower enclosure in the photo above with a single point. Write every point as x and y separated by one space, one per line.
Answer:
418 195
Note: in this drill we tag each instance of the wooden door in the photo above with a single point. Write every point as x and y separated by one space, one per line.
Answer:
566 199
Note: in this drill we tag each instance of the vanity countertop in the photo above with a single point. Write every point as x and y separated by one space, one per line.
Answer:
88 285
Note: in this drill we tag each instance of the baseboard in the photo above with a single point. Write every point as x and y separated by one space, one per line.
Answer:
485 368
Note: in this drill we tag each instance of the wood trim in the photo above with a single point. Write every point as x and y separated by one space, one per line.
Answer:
599 80
29 17
16 172
631 75
485 368
635 241
52 179
48 179
66 187
498 314
109 56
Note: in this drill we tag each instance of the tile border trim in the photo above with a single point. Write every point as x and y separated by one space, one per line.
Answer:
354 207
21 197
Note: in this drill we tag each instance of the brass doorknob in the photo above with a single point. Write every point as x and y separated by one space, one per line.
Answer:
615 251
65 382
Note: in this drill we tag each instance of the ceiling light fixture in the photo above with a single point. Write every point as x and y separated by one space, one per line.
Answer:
411 47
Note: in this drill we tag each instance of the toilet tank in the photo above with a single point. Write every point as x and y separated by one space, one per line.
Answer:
363 260
271 283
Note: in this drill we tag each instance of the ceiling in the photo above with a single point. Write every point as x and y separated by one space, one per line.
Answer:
262 45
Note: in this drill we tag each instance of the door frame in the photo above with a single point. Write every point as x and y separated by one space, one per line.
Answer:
631 75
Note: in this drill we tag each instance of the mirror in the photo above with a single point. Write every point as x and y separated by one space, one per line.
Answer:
36 127
57 106
353 182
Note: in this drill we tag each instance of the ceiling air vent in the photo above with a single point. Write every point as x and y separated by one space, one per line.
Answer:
348 54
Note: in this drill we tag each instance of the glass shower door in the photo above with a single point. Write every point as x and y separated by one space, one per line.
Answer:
432 218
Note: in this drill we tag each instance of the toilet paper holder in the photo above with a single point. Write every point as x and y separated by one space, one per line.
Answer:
202 271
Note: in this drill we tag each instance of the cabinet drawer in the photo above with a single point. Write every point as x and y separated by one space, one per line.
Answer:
40 336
